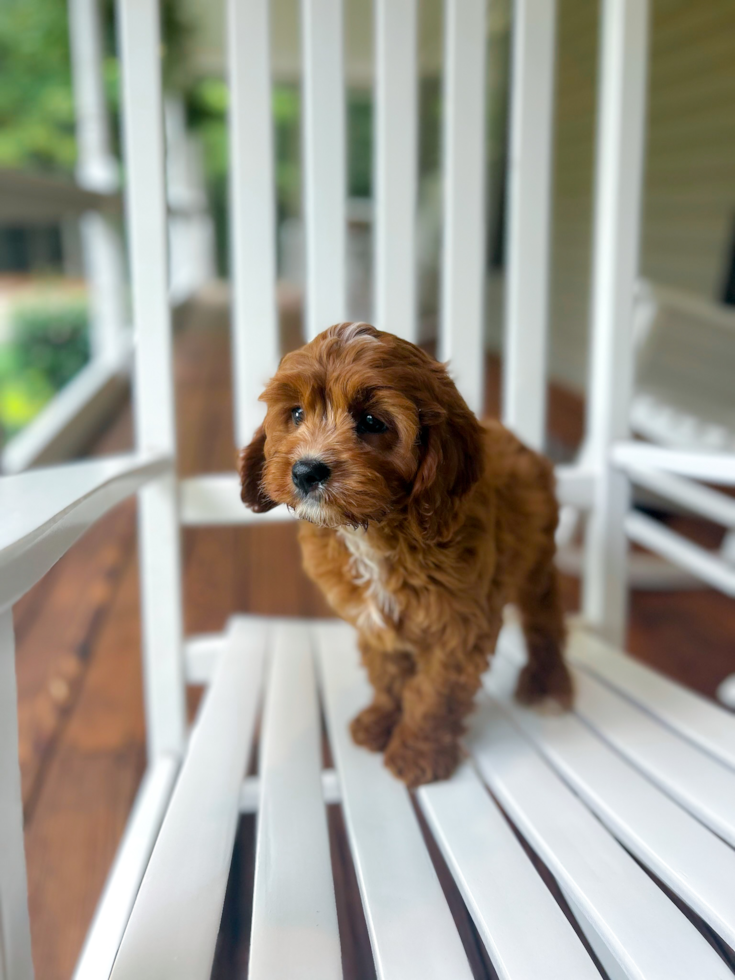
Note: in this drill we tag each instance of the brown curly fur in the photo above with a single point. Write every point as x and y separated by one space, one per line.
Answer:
419 538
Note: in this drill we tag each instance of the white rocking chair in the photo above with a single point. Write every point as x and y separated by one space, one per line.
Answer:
629 801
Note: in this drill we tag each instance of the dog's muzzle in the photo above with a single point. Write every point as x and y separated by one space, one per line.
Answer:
309 473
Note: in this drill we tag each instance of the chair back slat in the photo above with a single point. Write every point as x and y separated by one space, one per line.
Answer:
619 180
255 351
324 164
396 167
146 210
529 210
160 561
463 254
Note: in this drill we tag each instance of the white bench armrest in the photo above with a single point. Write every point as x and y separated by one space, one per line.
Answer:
43 512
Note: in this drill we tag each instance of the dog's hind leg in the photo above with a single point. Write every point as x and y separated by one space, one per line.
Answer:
388 671
546 676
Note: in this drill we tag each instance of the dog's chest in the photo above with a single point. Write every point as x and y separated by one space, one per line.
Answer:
368 569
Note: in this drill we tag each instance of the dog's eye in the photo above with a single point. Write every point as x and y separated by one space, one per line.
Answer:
297 414
370 423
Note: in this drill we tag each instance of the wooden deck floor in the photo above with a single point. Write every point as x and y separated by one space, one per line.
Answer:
78 634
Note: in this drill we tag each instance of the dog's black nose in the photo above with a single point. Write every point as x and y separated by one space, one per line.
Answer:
306 473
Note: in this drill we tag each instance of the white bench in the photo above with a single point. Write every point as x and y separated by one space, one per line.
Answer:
628 801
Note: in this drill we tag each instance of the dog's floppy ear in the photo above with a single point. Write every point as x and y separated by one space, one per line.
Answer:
251 463
451 463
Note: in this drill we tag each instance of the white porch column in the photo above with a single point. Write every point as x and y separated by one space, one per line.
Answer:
96 171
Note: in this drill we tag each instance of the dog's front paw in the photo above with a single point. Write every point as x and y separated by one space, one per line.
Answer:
373 727
549 691
418 761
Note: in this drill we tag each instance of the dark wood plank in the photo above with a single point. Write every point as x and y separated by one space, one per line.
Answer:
58 634
89 785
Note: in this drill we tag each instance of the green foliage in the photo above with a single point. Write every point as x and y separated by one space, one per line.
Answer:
36 107
52 338
36 100
49 344
359 142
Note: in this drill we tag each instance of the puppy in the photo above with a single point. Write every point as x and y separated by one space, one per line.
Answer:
419 525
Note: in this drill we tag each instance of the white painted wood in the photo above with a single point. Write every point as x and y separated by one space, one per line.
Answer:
146 219
324 164
411 930
140 66
105 270
113 912
173 926
162 617
96 166
461 339
294 931
250 792
396 167
46 510
632 926
693 862
619 177
668 544
703 786
689 714
726 692
501 887
529 217
201 654
574 485
702 500
96 170
214 498
15 932
256 348
708 466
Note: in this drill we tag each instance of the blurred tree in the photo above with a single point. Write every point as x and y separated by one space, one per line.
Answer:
36 103
36 107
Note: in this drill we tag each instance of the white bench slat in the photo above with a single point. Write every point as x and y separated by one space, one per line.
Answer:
113 912
411 929
253 209
712 467
324 164
689 714
213 499
294 931
396 167
687 857
633 927
655 536
463 251
45 511
173 927
698 782
502 889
